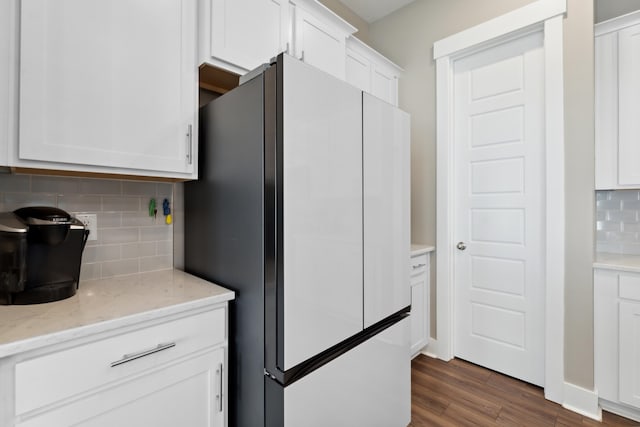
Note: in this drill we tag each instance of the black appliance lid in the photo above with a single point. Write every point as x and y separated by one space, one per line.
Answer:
43 215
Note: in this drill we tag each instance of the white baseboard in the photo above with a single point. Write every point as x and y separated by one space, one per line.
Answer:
431 349
620 409
582 401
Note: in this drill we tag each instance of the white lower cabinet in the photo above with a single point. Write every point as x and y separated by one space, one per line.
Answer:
165 373
419 302
186 392
630 353
617 341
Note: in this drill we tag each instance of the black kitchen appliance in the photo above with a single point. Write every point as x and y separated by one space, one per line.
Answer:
40 255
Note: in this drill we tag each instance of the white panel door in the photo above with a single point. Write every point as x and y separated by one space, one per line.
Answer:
499 280
322 211
629 105
109 83
387 220
369 386
629 340
248 33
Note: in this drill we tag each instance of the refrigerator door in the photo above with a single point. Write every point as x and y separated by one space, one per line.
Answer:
386 167
368 386
321 213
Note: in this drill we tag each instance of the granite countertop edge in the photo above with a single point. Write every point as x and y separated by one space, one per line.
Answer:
419 249
96 308
620 262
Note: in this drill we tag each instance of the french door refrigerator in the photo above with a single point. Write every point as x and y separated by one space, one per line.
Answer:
302 208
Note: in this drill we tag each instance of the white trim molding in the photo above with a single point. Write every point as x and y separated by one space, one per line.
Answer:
617 23
431 350
547 16
620 409
582 401
531 14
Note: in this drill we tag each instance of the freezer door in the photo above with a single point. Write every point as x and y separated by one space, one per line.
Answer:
321 212
368 386
386 154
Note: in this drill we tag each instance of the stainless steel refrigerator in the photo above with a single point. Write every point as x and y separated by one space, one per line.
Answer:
302 208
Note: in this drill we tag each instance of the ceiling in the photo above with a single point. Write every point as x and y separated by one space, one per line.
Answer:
372 10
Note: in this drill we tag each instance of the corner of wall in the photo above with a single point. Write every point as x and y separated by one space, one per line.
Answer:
582 401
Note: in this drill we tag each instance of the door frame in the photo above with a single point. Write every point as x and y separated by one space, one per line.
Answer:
545 16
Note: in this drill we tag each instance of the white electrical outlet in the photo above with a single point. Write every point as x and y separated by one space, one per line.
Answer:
90 222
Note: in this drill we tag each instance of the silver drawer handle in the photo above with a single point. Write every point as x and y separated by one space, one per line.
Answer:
133 356
418 266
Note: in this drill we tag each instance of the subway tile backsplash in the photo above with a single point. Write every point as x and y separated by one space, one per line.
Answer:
129 240
618 221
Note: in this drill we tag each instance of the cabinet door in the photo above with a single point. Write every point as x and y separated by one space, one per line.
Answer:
384 85
629 105
606 111
109 83
319 44
418 313
7 63
386 172
605 328
247 33
358 71
190 393
629 373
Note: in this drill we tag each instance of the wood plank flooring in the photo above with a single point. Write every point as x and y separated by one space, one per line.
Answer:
459 393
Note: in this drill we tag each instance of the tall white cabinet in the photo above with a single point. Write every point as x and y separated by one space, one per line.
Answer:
617 66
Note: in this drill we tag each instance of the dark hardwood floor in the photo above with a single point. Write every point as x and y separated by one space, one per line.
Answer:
459 393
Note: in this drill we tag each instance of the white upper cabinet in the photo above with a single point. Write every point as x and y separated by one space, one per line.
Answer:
617 67
371 72
108 86
239 35
7 105
320 37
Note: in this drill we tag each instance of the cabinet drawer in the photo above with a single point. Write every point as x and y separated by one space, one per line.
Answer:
630 286
46 379
419 263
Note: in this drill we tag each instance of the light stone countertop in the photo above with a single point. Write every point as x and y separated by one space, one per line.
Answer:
419 249
105 304
620 262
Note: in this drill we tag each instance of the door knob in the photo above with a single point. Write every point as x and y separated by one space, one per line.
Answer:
461 246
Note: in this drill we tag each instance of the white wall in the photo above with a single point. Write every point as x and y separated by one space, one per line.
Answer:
607 9
580 192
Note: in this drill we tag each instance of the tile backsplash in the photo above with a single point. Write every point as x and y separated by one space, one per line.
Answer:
129 240
618 221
